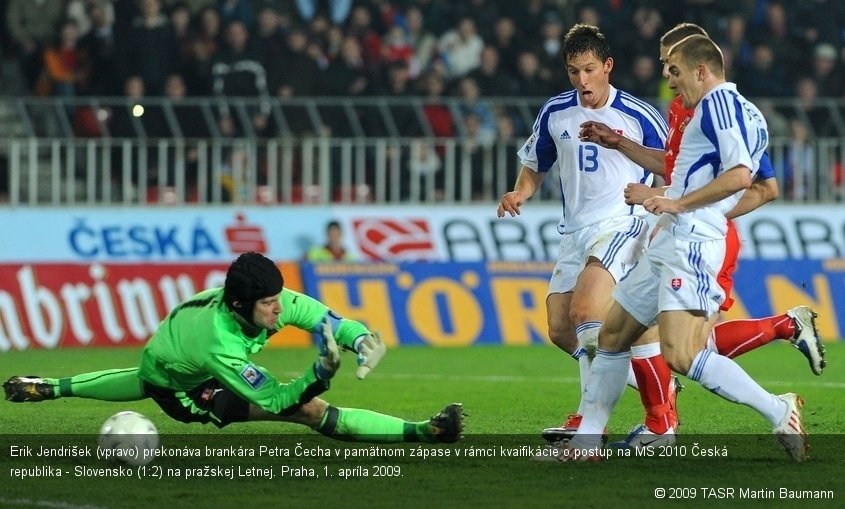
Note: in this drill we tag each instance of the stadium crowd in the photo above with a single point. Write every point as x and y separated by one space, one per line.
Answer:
399 47
471 50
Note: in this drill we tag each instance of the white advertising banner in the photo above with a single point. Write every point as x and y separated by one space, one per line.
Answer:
372 233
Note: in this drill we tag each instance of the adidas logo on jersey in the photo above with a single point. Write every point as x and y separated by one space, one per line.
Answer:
565 135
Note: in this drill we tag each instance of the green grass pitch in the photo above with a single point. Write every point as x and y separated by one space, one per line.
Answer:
510 393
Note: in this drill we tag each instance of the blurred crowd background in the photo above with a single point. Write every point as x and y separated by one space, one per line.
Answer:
291 48
788 55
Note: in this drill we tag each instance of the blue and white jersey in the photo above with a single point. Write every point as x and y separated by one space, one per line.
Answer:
592 178
726 131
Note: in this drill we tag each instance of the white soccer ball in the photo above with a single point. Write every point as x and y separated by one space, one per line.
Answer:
128 437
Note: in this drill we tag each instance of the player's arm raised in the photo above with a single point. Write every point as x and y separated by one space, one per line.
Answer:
526 185
651 159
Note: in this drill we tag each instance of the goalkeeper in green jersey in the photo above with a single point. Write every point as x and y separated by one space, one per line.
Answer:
197 369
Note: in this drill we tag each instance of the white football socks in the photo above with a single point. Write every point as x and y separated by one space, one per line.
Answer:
724 377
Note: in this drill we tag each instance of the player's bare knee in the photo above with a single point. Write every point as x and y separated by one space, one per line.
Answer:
563 337
581 311
677 359
612 341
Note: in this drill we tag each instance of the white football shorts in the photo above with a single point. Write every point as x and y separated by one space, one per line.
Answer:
616 242
673 275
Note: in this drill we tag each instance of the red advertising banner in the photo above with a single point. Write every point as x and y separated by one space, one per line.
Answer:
47 305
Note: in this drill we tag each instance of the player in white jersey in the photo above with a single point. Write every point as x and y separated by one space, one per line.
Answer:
719 154
601 236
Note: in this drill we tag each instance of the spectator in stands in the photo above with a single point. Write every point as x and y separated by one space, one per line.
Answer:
333 250
438 116
800 162
80 12
101 47
397 47
269 34
460 48
819 21
507 44
764 77
333 44
236 10
548 52
529 78
507 133
825 70
32 24
818 117
180 20
238 72
360 27
295 72
642 36
346 76
397 81
124 122
589 15
477 140
642 80
204 46
423 41
189 116
318 28
483 123
425 181
529 15
208 30
484 14
150 47
777 33
734 37
491 80
66 69
436 15
338 10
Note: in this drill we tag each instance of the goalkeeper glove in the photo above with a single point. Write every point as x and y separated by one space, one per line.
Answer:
329 360
370 350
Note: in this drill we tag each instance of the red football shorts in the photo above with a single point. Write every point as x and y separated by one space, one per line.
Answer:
726 275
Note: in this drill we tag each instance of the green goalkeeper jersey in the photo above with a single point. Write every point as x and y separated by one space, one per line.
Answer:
201 339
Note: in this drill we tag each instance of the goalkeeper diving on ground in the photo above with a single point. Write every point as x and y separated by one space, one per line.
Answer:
196 366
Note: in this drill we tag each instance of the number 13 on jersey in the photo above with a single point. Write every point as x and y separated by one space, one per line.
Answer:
588 158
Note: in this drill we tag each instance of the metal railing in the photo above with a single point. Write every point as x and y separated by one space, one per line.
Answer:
92 172
324 150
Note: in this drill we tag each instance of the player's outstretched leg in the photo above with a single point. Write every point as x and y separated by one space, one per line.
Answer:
806 338
107 385
27 388
725 378
798 326
358 425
